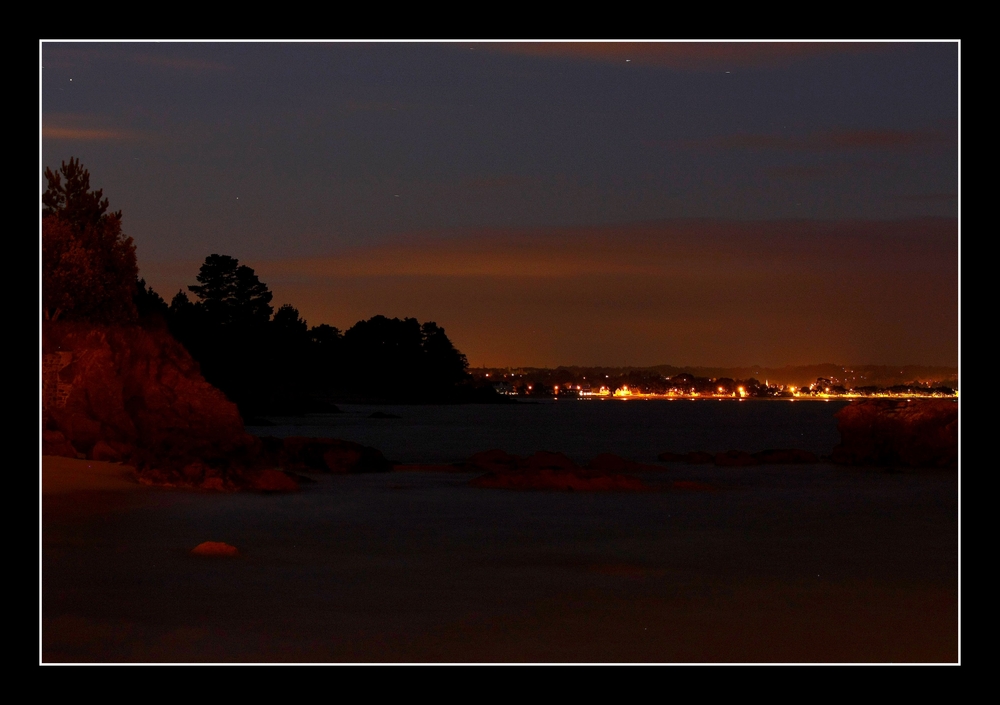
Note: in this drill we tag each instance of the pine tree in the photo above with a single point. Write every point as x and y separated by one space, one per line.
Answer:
231 293
89 268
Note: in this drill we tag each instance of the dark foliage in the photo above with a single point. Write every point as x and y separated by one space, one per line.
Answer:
279 365
147 302
231 294
89 269
68 196
401 359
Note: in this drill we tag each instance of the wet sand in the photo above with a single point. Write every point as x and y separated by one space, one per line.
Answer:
781 564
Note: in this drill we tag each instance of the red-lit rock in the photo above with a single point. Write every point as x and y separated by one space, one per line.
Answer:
890 432
215 549
213 483
55 443
132 393
559 479
112 452
326 455
343 459
271 480
138 386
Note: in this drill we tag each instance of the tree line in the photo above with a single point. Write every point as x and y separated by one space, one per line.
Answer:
267 361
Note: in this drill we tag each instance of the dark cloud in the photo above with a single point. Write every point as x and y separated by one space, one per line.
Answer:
86 128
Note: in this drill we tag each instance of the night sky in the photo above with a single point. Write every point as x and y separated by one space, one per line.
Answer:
547 204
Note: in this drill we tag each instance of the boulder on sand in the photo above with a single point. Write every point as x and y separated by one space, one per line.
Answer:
299 453
55 443
892 432
215 549
271 480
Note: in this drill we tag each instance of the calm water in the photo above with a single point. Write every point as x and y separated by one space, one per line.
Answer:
810 563
637 429
807 563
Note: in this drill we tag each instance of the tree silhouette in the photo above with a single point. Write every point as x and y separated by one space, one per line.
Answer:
89 269
289 324
231 293
72 200
402 359
445 365
148 302
279 365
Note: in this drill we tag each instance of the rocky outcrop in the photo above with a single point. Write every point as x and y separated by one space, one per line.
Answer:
215 549
890 432
133 394
302 454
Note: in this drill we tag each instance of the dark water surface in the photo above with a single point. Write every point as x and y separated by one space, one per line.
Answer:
638 429
809 563
779 564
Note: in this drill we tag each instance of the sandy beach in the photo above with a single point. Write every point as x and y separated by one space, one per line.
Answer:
780 564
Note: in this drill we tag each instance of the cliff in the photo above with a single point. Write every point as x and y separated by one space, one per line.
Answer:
132 393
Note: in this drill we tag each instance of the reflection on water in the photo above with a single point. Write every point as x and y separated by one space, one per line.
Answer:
635 429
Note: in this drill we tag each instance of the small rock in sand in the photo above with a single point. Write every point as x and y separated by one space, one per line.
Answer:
214 548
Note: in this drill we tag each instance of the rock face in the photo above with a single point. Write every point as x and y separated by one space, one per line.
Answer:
215 548
917 433
134 394
134 391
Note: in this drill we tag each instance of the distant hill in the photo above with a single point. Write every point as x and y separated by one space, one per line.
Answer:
797 375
